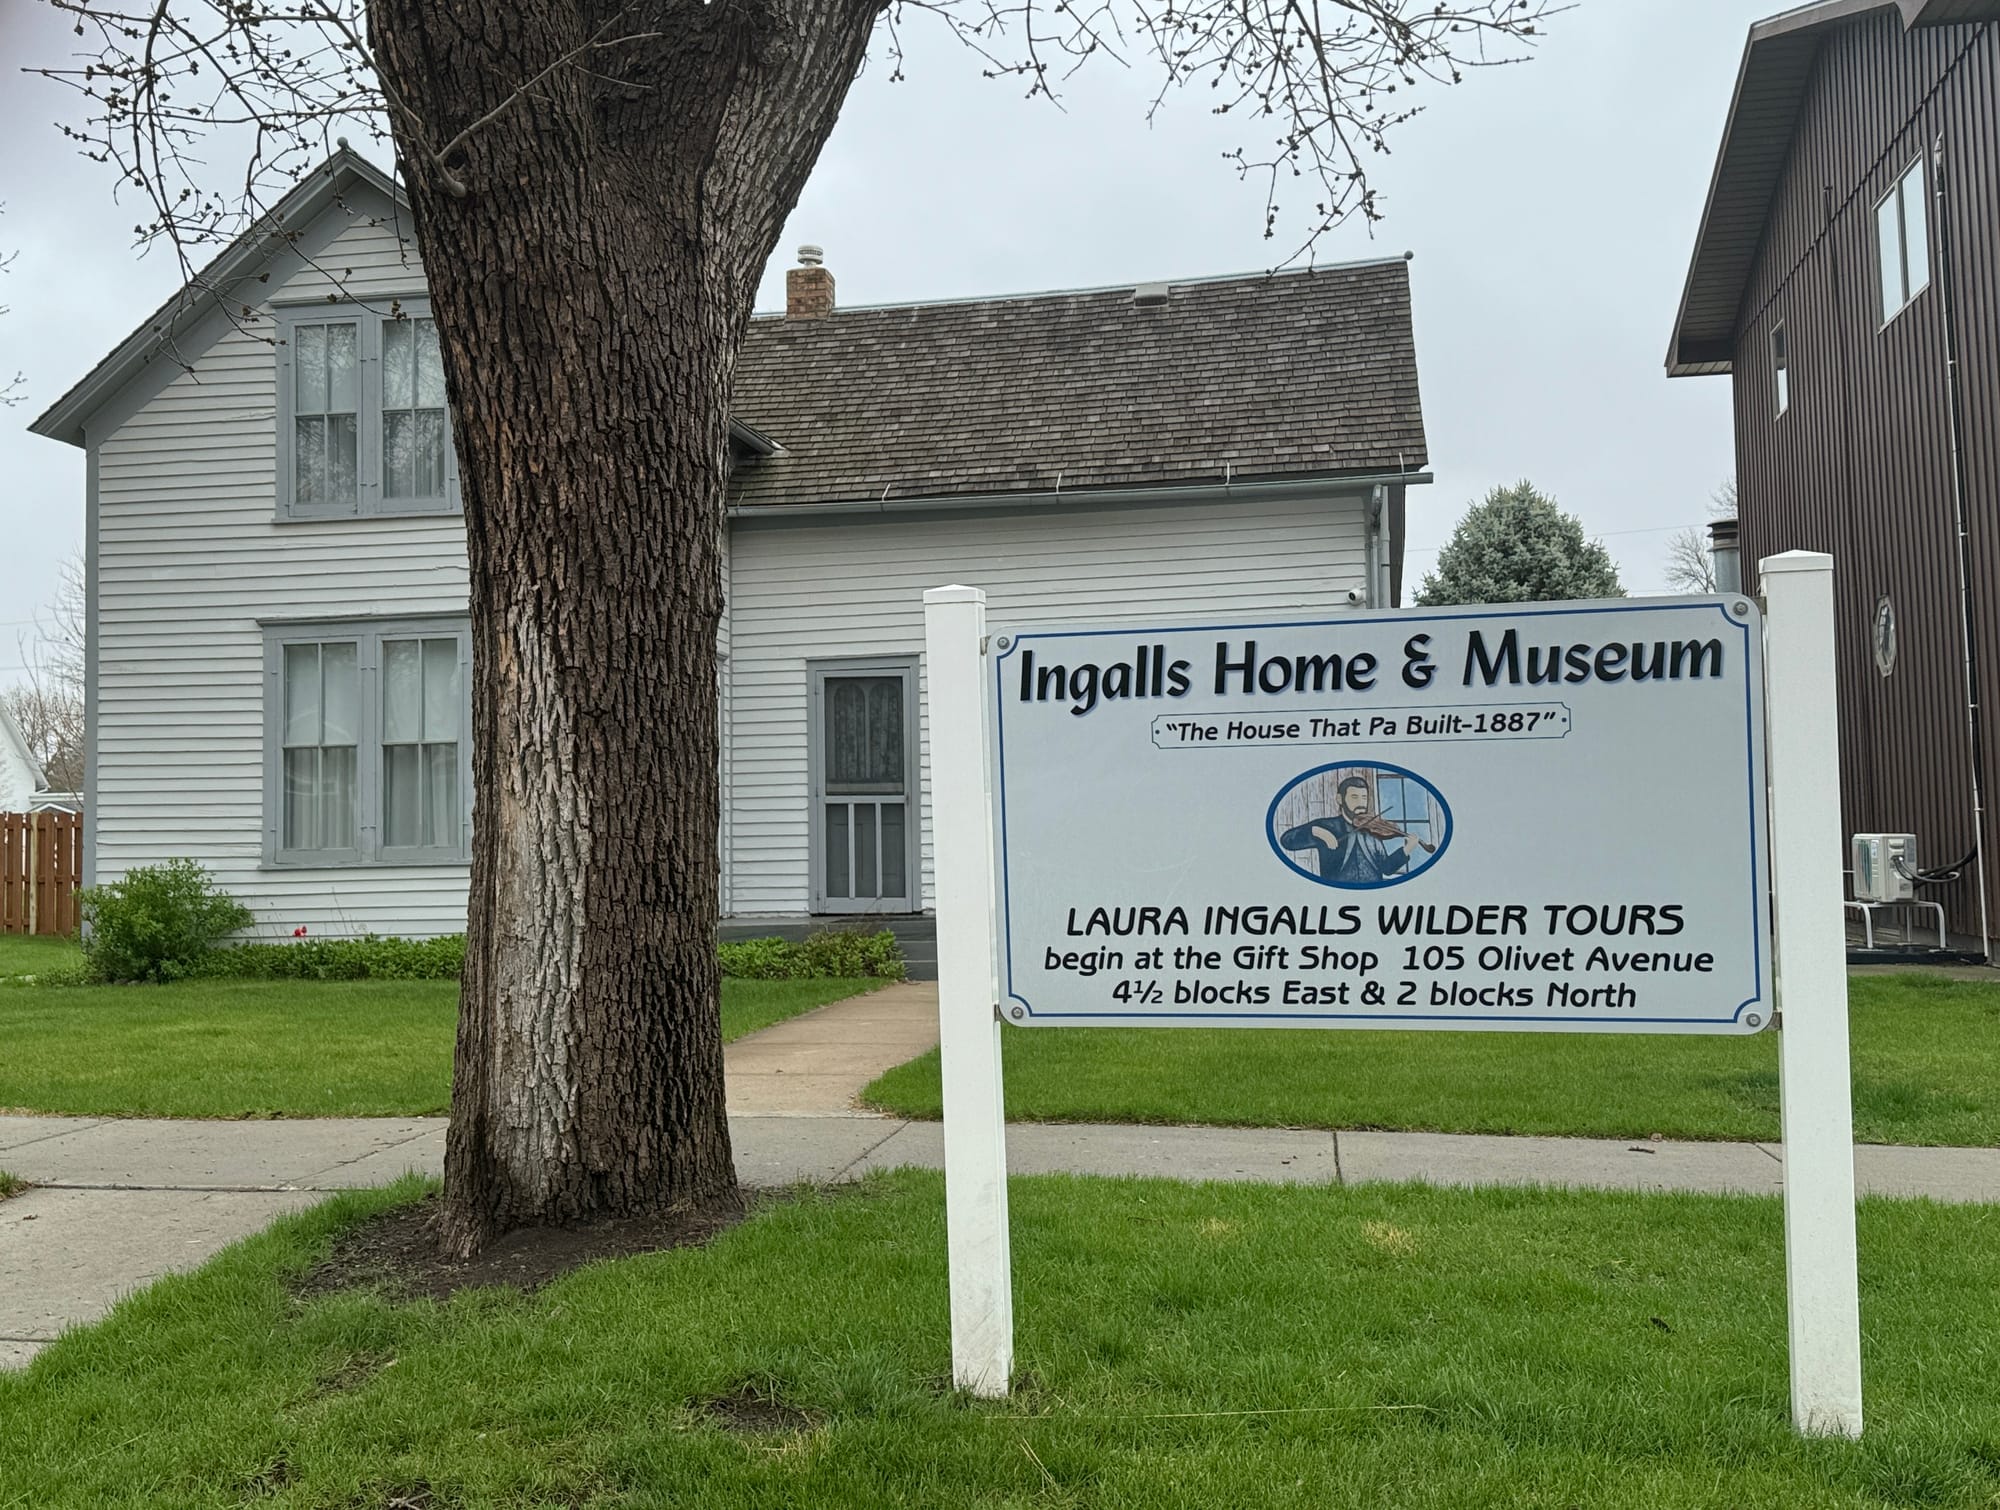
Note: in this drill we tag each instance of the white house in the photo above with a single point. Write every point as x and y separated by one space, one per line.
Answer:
277 644
21 779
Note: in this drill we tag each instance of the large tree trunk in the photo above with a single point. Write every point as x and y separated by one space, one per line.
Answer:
592 251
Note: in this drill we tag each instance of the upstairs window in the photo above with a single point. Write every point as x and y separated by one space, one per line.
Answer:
413 429
362 426
1902 239
326 397
1781 375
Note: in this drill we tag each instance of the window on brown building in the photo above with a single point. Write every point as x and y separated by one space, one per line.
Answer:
1902 238
1781 377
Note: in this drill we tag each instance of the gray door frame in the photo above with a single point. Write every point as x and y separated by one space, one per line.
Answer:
817 671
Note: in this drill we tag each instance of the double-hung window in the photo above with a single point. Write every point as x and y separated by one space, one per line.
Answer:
1902 242
368 742
362 425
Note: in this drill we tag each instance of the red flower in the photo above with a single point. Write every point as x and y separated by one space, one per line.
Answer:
299 932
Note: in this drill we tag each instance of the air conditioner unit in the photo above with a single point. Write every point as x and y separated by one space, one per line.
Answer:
1883 865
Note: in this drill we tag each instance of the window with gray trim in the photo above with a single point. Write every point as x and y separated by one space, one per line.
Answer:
368 742
362 425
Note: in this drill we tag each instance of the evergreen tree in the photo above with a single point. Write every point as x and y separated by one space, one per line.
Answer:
1519 547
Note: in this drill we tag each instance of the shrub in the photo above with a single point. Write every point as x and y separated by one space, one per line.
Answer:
68 973
833 952
366 958
157 923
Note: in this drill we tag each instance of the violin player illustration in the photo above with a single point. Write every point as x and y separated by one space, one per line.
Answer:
1359 826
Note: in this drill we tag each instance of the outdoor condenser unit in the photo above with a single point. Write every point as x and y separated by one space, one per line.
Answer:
1883 865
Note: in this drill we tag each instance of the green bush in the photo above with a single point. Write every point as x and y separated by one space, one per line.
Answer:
164 923
68 973
158 923
843 953
367 958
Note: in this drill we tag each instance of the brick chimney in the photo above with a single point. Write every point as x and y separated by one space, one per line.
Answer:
808 287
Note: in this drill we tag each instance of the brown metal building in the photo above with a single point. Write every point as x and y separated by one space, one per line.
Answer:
1847 277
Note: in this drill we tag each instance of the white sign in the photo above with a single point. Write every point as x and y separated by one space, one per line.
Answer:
1676 726
1545 818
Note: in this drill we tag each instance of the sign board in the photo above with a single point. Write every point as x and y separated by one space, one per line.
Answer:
1182 811
1537 818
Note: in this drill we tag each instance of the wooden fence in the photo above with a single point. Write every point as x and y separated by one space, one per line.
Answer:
41 858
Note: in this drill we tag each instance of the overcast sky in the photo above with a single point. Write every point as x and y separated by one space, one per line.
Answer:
1551 208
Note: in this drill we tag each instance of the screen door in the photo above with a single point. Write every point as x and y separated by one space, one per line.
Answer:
864 775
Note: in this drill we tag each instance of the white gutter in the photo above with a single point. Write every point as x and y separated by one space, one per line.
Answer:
1074 498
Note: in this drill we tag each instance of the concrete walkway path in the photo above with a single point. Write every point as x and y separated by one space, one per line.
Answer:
116 1204
817 1063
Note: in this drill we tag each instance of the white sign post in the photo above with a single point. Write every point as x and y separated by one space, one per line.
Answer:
1814 1088
1538 817
975 1117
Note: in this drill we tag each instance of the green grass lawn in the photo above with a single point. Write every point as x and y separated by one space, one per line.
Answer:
20 955
1926 1055
1190 1346
272 1048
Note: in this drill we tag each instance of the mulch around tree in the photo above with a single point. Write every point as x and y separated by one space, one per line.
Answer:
396 1251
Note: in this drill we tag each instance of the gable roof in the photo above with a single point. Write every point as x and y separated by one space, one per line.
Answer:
337 177
12 735
1287 375
229 270
1295 375
1756 139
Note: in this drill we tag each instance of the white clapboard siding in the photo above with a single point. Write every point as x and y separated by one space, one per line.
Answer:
190 558
801 593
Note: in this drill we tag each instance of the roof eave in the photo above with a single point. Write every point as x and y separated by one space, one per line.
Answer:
65 419
18 737
1948 12
1680 362
753 440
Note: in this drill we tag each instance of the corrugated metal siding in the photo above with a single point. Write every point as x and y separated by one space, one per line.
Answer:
804 593
1860 465
189 559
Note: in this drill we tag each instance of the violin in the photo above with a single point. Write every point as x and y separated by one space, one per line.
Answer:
1376 826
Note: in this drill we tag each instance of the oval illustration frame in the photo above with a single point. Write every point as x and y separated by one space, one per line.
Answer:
1271 823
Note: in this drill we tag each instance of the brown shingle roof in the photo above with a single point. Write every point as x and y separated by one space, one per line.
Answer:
1283 375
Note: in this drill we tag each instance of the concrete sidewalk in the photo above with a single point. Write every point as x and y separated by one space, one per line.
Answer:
119 1203
815 1064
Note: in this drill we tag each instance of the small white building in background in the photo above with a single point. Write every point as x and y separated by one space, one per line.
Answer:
21 779
277 643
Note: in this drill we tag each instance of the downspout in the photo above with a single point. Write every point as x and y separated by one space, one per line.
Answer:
1377 547
1370 546
1955 421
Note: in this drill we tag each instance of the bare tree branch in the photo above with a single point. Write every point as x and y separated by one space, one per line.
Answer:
1690 567
282 78
48 700
11 389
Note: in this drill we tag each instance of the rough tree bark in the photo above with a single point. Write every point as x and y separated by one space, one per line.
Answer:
592 250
